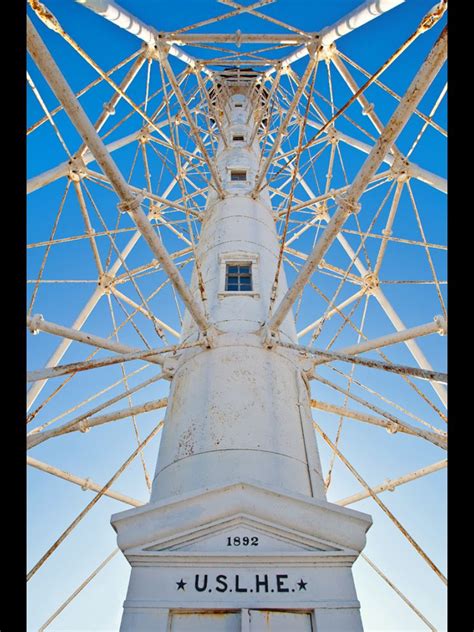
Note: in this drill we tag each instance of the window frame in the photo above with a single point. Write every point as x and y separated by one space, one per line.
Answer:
238 278
238 258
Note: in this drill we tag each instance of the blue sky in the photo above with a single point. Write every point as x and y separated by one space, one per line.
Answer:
53 504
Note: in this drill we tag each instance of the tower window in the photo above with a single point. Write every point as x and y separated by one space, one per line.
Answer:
238 278
238 274
238 175
238 105
237 137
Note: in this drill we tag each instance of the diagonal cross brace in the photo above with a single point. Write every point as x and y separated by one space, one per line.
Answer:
349 203
128 200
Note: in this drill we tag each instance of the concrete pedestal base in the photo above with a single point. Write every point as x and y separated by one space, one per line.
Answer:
241 557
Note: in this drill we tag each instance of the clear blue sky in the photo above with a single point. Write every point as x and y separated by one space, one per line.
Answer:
53 504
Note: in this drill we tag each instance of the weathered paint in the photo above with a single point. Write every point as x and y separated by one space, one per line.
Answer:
238 533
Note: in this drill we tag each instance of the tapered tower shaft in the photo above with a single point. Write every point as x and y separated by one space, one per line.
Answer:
238 412
238 519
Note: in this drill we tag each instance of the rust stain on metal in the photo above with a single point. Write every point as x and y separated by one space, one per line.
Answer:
45 15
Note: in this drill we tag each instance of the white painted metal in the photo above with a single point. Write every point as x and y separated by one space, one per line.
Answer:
124 19
63 169
129 201
390 485
84 483
348 204
236 227
436 438
63 346
90 422
437 326
37 323
362 14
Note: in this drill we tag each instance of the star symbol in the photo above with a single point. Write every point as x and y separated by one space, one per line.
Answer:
302 584
181 584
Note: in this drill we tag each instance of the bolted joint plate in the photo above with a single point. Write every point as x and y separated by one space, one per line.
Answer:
400 170
348 204
169 367
269 338
105 282
130 205
442 323
34 325
77 169
160 50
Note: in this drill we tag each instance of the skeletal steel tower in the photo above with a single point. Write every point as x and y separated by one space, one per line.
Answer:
238 533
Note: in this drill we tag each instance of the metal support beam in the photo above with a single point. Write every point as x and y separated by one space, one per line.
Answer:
362 14
74 367
37 323
93 502
129 201
335 310
236 38
390 485
124 19
367 108
109 107
61 349
284 124
142 310
331 356
412 169
415 350
349 203
438 439
64 168
377 292
63 346
88 579
84 483
439 326
384 508
162 56
86 424
399 593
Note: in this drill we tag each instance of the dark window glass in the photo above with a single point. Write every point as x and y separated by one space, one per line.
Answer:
238 105
238 175
238 278
238 137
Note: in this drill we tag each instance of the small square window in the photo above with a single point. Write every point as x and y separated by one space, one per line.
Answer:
238 278
238 175
238 105
237 137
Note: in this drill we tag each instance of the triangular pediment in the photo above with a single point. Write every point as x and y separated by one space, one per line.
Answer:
204 520
241 535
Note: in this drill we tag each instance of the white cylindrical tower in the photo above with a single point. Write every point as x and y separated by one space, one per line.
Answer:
236 409
238 533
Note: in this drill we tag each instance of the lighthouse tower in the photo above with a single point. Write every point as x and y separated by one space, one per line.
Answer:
238 534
